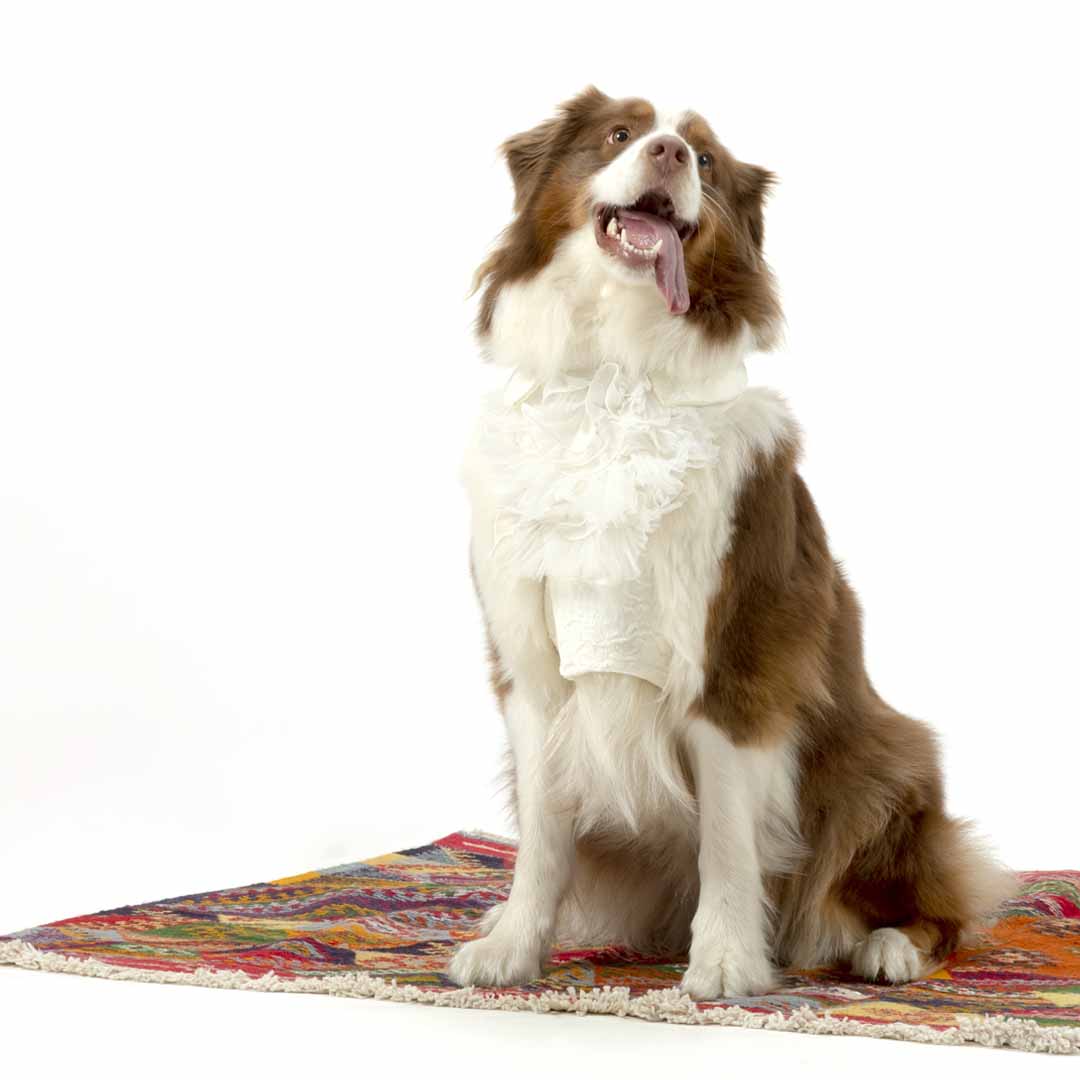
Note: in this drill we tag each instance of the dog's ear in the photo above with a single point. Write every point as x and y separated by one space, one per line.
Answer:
525 157
752 187
528 154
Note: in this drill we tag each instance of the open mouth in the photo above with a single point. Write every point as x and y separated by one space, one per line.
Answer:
649 235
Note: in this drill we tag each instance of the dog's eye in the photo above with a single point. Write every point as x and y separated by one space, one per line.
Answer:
704 160
619 135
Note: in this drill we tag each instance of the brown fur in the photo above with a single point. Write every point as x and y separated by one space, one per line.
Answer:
767 634
729 282
784 657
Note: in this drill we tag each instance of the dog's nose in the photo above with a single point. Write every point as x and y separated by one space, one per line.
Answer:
667 153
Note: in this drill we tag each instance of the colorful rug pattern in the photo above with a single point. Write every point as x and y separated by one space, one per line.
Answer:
385 928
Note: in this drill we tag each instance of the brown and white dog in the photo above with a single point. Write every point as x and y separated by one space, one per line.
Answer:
699 759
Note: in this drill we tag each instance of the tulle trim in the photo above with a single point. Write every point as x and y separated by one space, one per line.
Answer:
584 468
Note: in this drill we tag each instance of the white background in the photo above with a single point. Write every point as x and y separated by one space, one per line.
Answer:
237 635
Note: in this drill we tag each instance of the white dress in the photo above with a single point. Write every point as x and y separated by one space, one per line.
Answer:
584 468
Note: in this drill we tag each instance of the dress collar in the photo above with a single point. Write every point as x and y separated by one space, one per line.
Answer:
714 389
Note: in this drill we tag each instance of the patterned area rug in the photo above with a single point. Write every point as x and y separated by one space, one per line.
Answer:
384 928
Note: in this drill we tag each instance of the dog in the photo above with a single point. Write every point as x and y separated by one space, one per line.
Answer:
698 761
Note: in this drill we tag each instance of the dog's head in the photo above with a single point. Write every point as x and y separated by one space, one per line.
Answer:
641 198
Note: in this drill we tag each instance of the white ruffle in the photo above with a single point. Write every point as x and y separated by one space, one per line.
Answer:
583 470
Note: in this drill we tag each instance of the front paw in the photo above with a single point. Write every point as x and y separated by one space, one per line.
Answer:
494 961
733 973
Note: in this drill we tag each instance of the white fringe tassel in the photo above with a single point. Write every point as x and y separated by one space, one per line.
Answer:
669 1005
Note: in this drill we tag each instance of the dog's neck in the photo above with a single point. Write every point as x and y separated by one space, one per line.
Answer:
575 315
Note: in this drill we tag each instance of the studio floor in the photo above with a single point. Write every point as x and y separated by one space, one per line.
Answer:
60 1025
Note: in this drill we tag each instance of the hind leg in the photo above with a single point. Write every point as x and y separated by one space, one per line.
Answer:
940 887
896 954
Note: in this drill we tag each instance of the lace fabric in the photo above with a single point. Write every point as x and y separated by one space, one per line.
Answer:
584 468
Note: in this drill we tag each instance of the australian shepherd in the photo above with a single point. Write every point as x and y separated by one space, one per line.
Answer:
699 762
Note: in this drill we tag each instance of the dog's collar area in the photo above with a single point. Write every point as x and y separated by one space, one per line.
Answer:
712 390
716 389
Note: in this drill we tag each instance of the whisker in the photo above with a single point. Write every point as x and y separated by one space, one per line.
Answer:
721 209
714 211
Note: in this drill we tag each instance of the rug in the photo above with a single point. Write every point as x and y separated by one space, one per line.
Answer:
384 928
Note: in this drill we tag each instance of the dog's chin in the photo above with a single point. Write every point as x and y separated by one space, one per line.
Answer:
625 271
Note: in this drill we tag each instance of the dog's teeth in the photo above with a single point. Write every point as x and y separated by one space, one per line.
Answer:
656 246
612 228
622 237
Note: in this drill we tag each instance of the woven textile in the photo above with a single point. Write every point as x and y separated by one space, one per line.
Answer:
385 928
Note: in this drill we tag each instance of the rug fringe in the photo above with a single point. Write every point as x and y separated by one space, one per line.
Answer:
657 1005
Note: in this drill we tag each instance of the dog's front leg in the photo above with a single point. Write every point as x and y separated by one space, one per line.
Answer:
728 949
519 942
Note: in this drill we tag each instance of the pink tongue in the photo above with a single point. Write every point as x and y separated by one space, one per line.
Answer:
643 230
